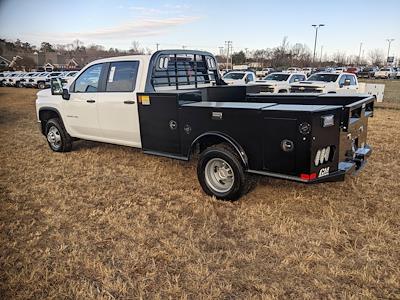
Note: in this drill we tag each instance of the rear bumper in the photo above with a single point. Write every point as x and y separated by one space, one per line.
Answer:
352 166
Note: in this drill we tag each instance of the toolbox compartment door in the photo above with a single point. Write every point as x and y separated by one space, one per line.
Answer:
159 127
276 131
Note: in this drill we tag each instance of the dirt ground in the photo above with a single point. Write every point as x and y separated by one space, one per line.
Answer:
106 221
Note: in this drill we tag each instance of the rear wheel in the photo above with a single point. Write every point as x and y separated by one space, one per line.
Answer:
57 137
221 173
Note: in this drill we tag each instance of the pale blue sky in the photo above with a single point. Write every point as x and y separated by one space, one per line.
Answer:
205 24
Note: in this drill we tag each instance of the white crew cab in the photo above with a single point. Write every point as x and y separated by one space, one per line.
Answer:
13 80
239 77
43 80
279 82
386 73
24 79
343 83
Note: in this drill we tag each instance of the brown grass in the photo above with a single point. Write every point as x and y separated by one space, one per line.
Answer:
109 222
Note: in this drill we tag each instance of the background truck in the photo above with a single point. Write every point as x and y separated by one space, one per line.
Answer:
343 83
279 82
174 104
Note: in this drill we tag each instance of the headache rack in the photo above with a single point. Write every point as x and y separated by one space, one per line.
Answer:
183 69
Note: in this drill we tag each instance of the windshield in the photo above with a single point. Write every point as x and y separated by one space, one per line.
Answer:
234 76
277 77
385 69
323 77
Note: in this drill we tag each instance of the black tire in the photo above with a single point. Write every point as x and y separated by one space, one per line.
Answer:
41 85
242 182
55 131
282 91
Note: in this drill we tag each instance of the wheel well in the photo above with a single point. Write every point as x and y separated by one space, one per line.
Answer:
45 115
207 140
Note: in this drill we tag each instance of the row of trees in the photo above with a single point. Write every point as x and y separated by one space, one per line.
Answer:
282 56
76 47
286 55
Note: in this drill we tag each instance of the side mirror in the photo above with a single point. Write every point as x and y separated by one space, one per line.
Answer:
56 86
296 80
347 82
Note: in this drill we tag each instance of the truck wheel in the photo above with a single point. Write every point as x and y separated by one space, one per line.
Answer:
41 85
57 137
221 173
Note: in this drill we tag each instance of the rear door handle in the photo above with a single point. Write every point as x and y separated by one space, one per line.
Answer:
90 101
129 102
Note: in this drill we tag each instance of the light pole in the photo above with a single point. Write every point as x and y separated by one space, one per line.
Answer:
320 59
315 40
359 54
389 42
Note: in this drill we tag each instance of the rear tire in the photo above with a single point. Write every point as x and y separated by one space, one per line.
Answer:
41 85
221 174
57 137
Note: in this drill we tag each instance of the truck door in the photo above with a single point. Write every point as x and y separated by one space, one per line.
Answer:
117 106
81 109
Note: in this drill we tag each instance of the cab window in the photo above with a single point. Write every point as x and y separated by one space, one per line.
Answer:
88 81
122 76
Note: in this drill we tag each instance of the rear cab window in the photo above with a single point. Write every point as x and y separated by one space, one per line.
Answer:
122 76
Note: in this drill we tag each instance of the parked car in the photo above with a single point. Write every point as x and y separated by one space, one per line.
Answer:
239 77
367 72
339 70
68 76
293 70
307 71
14 80
278 82
343 83
398 72
385 73
122 100
25 78
264 72
353 70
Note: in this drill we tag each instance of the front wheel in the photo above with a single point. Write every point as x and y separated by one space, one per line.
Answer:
57 137
221 173
41 85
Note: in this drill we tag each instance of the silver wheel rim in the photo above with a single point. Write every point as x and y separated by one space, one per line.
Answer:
54 138
219 175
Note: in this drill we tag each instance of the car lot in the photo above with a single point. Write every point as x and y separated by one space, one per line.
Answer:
135 226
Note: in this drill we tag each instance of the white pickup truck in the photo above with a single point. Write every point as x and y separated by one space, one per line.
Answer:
279 82
239 77
343 83
174 104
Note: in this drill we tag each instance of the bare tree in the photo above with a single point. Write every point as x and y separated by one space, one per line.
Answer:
376 57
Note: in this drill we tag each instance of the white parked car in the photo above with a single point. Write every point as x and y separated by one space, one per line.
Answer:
43 79
386 73
339 70
14 80
22 80
67 77
307 71
279 82
239 77
293 70
344 83
264 72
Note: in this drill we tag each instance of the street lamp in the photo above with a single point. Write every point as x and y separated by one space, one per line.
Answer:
316 36
359 54
389 41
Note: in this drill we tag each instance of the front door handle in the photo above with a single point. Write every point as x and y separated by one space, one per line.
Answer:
90 101
129 102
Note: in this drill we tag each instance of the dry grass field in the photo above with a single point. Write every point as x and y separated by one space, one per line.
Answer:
109 222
